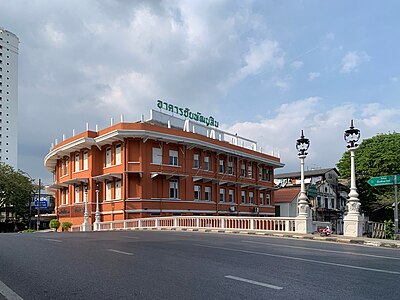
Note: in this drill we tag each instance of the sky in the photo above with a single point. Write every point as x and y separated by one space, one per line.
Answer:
264 69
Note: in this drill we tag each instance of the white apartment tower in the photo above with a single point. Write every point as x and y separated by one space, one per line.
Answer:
8 97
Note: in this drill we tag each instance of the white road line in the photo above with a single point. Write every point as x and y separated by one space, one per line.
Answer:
53 240
131 237
254 282
120 252
8 293
324 250
302 259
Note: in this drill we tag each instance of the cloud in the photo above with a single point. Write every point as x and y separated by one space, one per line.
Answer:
352 60
322 124
313 75
282 83
297 64
394 79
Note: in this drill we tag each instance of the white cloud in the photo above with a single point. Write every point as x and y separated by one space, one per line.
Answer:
56 37
282 83
394 79
297 64
313 75
323 125
352 60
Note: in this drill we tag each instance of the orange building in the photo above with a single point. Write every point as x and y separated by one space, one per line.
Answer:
160 167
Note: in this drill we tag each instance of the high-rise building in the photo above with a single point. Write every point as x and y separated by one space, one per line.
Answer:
8 97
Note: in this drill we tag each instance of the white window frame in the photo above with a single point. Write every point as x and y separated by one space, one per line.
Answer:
243 170
268 199
251 197
108 157
221 195
66 166
77 194
243 197
67 196
261 198
157 156
108 190
231 195
118 157
207 163
173 157
207 193
173 189
118 189
196 161
197 192
250 171
221 166
86 160
77 160
231 170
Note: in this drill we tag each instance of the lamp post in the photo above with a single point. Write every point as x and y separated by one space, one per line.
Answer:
353 221
97 215
303 220
86 225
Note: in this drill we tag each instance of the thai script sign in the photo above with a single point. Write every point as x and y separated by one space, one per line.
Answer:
185 112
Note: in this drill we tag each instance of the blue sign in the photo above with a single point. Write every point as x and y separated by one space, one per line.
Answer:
43 202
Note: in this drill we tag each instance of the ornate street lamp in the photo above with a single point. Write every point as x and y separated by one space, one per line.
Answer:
86 225
302 146
97 215
353 220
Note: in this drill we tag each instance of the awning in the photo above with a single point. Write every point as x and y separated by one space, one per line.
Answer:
168 175
76 181
108 176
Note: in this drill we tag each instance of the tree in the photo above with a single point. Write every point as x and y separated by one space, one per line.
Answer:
16 192
376 156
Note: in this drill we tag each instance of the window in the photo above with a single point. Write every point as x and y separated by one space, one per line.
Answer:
66 196
221 195
332 203
118 189
250 171
85 160
157 156
318 201
173 157
207 163
66 166
268 199
221 166
243 170
108 189
77 194
231 195
230 167
261 198
197 192
118 154
196 161
108 157
243 196
173 189
77 162
62 197
207 193
251 197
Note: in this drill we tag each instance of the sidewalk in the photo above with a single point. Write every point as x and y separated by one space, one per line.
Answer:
395 244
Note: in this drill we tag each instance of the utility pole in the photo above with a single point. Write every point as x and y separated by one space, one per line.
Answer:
38 209
396 208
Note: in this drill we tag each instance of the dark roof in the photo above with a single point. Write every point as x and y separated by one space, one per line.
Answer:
306 173
286 195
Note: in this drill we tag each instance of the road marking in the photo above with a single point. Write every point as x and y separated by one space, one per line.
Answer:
302 259
8 293
324 250
120 252
53 240
130 237
255 282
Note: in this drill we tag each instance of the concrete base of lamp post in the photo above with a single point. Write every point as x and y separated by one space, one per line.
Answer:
86 227
304 224
353 225
96 226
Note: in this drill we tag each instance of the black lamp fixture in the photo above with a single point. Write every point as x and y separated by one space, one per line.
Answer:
351 136
302 144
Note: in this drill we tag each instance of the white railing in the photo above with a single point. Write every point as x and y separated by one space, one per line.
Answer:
216 222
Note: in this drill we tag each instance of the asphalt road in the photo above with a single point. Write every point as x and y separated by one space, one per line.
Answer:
191 265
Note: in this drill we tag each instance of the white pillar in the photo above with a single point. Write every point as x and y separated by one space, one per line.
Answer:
97 219
86 225
303 219
353 221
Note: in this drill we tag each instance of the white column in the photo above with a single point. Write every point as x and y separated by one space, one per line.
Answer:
86 225
353 221
303 219
97 219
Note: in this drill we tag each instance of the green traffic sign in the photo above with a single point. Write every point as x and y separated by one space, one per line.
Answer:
381 180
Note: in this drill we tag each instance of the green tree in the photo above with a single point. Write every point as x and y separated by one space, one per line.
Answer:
16 192
376 156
